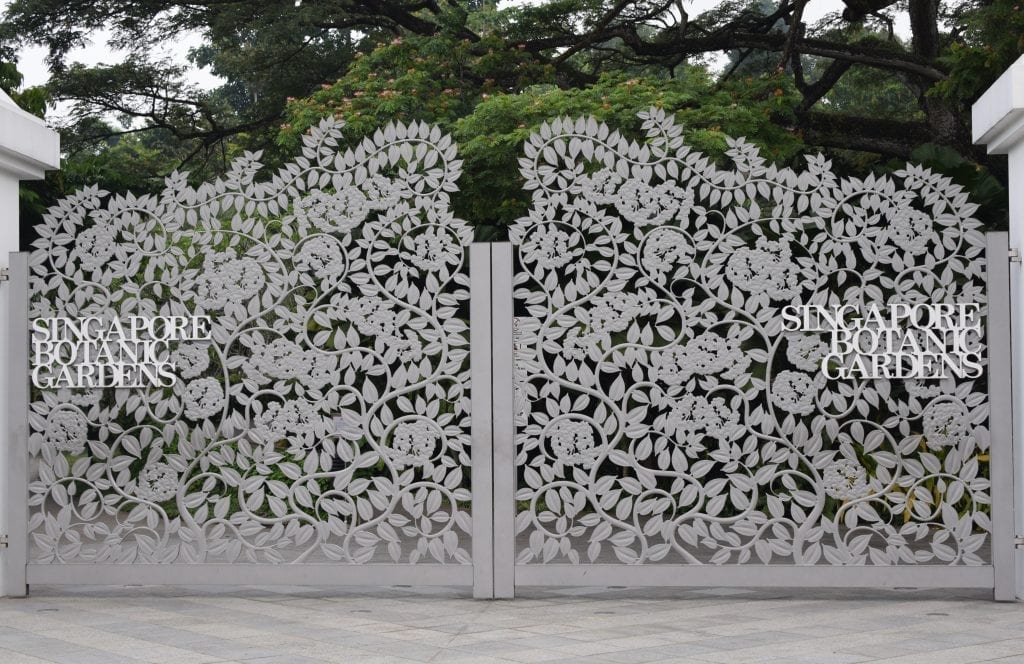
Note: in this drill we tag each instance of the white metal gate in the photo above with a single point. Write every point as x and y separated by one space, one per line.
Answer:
673 428
611 399
321 435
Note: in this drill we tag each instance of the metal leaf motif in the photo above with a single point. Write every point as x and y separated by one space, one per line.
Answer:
664 416
328 419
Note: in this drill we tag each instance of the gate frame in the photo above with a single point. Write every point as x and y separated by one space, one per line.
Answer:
14 457
1000 399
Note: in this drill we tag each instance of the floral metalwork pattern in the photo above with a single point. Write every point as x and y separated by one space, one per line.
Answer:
662 412
328 418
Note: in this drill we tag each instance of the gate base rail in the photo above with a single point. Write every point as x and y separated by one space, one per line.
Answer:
758 576
228 574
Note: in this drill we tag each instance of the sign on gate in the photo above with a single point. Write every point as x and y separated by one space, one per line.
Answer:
90 353
923 341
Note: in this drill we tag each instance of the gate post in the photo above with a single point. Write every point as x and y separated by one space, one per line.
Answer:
28 148
482 419
1001 455
998 124
503 382
14 457
494 456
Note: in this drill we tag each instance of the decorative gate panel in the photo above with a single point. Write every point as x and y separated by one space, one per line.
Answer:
326 419
668 413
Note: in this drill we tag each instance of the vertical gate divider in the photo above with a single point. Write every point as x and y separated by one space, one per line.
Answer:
14 454
482 471
503 376
1001 460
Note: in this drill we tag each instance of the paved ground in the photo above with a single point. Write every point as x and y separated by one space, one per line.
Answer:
595 625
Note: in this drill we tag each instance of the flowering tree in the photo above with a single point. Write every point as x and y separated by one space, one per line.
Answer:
848 82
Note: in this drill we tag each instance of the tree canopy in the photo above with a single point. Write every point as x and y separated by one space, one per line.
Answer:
848 84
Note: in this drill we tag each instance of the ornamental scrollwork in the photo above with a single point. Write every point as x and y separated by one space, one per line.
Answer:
662 411
327 419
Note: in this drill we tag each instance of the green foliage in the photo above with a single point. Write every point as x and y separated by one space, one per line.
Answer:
489 76
32 99
491 97
491 137
865 91
128 162
985 189
265 56
432 79
989 38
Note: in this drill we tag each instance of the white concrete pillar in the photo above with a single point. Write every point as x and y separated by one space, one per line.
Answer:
28 148
998 124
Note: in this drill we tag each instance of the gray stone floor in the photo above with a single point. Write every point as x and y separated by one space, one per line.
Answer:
267 625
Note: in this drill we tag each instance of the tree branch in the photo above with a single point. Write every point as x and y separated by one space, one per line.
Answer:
883 136
594 34
812 92
796 30
853 53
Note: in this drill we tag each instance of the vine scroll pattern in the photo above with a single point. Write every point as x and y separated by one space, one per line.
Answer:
328 419
662 413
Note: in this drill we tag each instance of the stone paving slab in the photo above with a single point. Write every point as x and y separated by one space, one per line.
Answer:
399 625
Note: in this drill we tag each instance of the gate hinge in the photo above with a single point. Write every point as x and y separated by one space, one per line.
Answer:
3 541
5 274
1014 255
1018 542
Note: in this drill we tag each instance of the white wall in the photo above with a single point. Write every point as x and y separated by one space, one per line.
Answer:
27 149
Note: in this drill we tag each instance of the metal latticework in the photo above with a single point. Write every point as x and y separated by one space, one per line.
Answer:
326 421
645 411
664 415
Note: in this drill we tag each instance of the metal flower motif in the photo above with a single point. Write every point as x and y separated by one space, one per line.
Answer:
191 359
768 268
281 359
549 247
945 423
602 187
95 246
414 443
911 230
665 250
339 212
643 204
572 443
707 353
806 351
158 482
408 348
67 430
294 419
612 312
793 392
694 416
845 480
435 249
322 256
371 315
204 397
226 278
